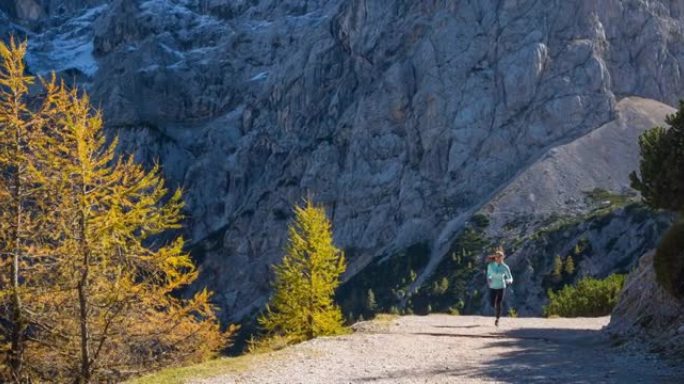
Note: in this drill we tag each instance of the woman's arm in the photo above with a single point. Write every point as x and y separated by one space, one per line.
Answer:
489 272
509 276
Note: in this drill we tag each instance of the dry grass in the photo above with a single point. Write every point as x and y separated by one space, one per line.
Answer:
269 344
385 317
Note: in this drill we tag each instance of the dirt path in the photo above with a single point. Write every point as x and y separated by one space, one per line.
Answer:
465 349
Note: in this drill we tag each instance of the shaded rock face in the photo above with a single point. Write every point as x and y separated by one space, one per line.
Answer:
402 117
37 14
647 311
599 246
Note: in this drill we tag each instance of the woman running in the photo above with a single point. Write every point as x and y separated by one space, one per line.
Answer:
498 277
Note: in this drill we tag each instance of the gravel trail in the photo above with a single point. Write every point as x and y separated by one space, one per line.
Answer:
461 349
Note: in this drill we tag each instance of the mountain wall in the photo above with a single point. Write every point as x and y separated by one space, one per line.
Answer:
405 118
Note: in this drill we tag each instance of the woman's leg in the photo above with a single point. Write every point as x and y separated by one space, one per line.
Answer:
498 304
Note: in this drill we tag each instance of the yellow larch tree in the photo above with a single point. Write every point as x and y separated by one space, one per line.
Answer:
111 237
91 261
24 261
303 306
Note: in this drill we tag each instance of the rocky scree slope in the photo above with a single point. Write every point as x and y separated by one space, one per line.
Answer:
405 118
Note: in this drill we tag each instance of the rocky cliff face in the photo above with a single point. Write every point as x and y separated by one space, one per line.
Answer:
403 117
648 312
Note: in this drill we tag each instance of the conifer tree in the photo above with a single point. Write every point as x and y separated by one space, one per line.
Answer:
569 267
87 266
557 267
116 311
660 179
443 285
371 304
22 230
302 306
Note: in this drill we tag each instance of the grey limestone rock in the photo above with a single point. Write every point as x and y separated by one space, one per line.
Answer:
402 117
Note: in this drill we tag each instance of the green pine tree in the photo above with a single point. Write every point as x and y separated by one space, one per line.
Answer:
569 267
302 306
442 287
661 170
371 304
350 317
557 267
660 180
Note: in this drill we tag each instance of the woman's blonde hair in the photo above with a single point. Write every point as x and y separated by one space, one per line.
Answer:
497 251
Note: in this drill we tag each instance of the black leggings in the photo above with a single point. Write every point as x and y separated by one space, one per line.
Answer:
496 297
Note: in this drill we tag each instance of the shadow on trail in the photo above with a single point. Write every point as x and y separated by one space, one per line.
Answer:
569 356
550 355
473 336
458 326
541 355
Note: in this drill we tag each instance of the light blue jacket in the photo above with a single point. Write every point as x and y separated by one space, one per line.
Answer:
498 275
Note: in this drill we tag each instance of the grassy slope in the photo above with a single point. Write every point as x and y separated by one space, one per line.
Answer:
207 369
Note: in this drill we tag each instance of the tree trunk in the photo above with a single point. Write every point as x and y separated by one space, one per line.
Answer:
17 337
86 371
310 318
85 337
16 358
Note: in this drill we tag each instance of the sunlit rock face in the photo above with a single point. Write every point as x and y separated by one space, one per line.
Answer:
403 117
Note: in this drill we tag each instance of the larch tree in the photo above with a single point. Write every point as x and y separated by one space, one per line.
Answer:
23 259
116 259
303 306
569 266
90 261
557 271
371 304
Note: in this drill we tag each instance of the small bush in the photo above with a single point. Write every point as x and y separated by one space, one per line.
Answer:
590 298
480 220
454 311
669 261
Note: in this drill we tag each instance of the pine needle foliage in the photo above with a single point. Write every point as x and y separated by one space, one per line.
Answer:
303 306
661 169
102 236
661 182
371 303
120 312
569 266
557 268
24 261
